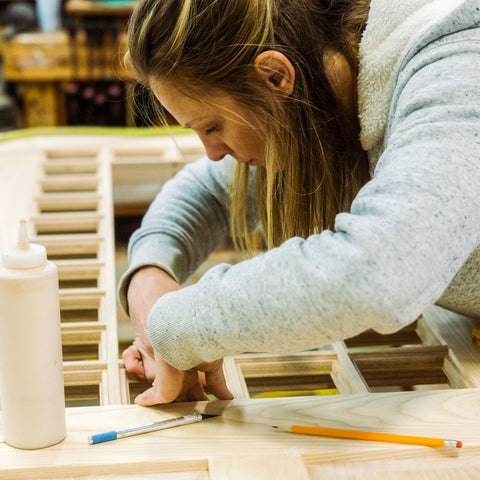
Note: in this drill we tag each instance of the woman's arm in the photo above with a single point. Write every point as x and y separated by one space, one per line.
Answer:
185 223
409 231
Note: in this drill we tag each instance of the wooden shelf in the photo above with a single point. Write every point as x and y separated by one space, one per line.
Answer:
86 7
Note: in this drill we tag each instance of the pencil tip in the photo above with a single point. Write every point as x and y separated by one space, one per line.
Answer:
274 426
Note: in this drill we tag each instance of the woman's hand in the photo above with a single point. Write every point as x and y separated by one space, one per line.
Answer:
183 386
146 286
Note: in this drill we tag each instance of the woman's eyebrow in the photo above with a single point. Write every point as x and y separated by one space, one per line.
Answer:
188 124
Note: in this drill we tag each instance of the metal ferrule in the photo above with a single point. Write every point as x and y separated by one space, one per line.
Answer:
450 443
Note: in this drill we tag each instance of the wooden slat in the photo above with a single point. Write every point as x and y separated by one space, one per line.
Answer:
108 351
145 171
462 365
80 298
402 366
235 379
83 373
306 363
79 154
78 269
68 201
69 244
400 357
124 386
69 166
66 222
79 316
345 374
81 333
69 183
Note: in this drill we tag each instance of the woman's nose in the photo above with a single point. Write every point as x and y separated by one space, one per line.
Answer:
216 150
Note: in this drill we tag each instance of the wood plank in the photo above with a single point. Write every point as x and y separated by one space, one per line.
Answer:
68 201
304 363
445 468
402 366
66 222
264 467
108 307
244 428
69 183
345 373
80 153
81 333
201 475
75 245
69 166
80 298
462 365
235 379
78 269
83 377
154 164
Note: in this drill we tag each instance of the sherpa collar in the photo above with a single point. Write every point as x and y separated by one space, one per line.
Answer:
392 27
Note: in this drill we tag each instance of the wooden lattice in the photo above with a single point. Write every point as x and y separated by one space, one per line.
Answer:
67 188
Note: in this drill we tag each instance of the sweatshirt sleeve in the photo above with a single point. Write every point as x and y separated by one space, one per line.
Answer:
184 224
409 231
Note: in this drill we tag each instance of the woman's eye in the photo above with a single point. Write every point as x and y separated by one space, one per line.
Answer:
210 130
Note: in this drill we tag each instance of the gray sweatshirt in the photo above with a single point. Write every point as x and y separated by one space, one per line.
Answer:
410 240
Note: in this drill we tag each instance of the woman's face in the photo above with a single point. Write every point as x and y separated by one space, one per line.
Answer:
223 126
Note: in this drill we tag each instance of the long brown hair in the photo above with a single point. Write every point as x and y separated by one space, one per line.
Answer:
314 162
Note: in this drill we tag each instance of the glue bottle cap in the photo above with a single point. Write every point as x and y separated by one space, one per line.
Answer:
24 254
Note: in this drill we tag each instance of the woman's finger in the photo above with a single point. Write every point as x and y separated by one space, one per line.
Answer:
166 387
196 393
148 360
216 382
133 361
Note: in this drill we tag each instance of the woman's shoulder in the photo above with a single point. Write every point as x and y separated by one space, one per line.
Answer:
391 38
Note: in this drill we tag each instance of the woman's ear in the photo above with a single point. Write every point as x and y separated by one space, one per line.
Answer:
277 71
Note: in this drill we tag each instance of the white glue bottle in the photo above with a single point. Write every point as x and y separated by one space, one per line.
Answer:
31 367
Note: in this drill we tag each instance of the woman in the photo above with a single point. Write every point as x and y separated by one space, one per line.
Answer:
371 213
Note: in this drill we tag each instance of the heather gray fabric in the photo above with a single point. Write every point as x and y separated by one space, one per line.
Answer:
403 246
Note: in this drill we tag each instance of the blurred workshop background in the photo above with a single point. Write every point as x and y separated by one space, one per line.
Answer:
61 64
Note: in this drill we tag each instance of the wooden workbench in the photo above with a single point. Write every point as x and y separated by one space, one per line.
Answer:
67 187
242 445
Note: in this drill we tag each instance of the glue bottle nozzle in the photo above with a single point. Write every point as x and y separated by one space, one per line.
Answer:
23 242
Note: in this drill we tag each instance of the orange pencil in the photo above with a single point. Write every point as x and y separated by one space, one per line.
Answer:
372 436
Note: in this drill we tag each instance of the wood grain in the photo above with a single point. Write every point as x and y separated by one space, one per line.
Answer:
244 429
